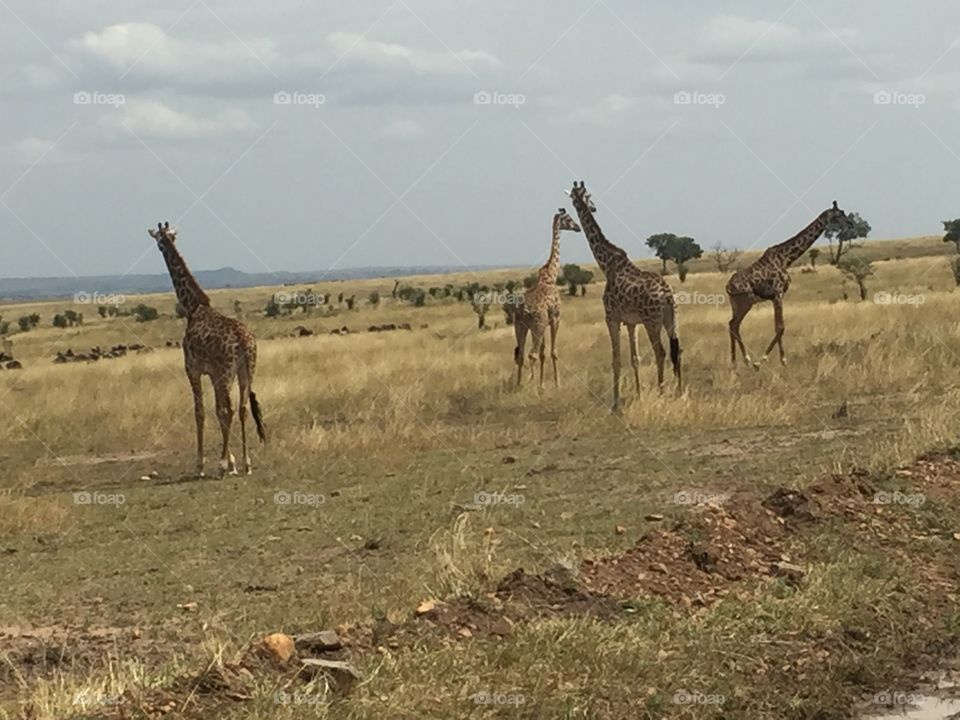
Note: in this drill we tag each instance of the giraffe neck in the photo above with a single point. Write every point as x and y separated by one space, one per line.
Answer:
789 251
609 257
551 269
189 293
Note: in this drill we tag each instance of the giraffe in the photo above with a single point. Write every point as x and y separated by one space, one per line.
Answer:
213 345
769 279
632 297
540 309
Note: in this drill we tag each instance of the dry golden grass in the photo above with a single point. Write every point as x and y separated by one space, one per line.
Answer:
405 426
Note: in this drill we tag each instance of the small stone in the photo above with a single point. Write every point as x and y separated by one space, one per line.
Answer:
279 646
788 570
322 641
620 530
509 460
653 517
465 632
427 606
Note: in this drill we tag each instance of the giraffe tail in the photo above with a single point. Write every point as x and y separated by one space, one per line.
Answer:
670 323
246 370
257 417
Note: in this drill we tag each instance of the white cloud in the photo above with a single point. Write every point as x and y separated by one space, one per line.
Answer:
732 37
31 149
153 119
353 47
403 129
146 48
609 110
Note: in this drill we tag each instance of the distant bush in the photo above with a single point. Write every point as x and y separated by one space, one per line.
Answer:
374 298
28 322
145 313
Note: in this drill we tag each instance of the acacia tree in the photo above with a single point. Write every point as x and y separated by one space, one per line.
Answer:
575 277
724 259
952 232
680 250
858 270
845 230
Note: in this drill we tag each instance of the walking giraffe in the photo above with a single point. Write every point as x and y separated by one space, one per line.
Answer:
541 307
213 345
769 279
632 297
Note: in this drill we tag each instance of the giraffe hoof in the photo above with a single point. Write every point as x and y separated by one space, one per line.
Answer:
756 366
783 361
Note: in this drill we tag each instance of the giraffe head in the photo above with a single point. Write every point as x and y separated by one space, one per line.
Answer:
163 232
579 194
835 214
564 221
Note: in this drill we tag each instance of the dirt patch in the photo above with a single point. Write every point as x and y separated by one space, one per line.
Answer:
697 560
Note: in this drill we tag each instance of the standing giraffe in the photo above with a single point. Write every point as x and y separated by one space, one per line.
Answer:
541 307
632 297
769 279
213 345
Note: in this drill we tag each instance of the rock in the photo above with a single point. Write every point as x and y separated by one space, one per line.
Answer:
188 606
427 606
787 570
323 641
14 365
278 646
653 517
620 530
339 669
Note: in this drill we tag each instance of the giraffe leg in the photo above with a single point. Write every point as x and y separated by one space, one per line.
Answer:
543 358
197 389
634 357
653 332
536 349
554 329
520 330
225 415
740 309
778 330
613 326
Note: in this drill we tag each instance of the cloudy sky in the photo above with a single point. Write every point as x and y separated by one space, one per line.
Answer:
303 136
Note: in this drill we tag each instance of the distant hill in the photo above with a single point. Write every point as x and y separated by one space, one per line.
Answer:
43 288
